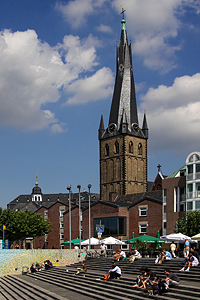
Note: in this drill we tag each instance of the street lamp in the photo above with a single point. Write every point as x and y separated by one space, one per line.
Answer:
89 187
70 222
79 204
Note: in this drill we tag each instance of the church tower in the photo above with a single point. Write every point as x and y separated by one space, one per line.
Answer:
123 145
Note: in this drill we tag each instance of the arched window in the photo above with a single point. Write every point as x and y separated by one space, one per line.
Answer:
106 150
116 147
131 147
140 149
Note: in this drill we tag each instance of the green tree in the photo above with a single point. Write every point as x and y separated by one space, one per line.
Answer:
20 225
189 224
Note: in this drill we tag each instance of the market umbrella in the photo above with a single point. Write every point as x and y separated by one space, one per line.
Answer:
112 241
73 242
132 240
176 237
146 238
149 239
158 244
93 241
196 237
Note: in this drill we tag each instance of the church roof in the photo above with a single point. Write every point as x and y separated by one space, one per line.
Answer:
48 200
138 197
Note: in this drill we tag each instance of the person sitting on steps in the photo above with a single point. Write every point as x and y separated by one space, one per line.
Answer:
83 270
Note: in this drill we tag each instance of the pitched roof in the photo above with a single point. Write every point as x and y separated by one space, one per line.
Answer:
173 175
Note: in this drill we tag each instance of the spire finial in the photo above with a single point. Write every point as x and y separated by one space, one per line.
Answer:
123 11
36 183
123 21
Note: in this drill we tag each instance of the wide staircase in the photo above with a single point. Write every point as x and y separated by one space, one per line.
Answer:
50 284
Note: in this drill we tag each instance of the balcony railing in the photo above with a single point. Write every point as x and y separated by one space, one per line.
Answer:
190 176
189 195
197 175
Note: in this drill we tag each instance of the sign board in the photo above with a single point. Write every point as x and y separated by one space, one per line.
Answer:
99 235
99 229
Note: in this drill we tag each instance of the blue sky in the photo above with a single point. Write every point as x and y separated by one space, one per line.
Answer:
57 74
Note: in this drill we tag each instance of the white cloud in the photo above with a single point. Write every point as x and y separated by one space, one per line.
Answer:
173 115
33 74
96 87
59 128
151 26
76 12
104 28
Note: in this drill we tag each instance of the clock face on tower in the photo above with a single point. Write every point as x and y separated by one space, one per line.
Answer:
112 127
135 127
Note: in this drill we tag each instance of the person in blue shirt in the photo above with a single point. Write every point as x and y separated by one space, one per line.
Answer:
186 248
166 255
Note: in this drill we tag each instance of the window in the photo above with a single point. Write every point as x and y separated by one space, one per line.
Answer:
61 224
131 147
197 168
190 190
125 247
140 149
197 205
62 236
190 169
46 213
191 158
62 212
116 148
112 226
143 211
143 228
106 150
189 205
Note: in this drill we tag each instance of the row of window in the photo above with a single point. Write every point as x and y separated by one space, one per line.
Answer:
116 148
114 226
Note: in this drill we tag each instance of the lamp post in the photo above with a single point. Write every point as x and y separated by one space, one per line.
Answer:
79 205
89 187
70 222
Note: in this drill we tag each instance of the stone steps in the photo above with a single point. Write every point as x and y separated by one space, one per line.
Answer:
92 285
13 287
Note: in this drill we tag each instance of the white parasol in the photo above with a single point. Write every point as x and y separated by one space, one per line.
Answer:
93 241
112 241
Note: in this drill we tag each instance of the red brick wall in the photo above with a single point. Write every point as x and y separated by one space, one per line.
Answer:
154 218
54 219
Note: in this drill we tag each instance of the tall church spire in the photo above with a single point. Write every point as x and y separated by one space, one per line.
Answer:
123 145
124 98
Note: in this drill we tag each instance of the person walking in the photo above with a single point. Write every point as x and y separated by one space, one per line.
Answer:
173 249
